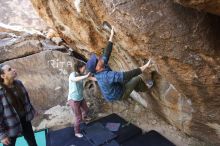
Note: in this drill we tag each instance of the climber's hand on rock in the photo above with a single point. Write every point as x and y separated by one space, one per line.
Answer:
146 65
112 34
112 31
149 62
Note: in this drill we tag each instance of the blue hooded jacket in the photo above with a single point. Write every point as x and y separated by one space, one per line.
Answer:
110 82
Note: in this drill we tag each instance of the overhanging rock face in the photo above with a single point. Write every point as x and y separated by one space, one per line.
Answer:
211 6
183 42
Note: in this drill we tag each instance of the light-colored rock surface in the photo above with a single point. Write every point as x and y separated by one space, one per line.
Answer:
45 75
20 13
15 46
183 43
55 117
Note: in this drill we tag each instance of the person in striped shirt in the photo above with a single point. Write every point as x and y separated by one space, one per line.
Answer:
16 110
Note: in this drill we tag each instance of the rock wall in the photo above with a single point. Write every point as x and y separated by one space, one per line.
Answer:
207 5
184 43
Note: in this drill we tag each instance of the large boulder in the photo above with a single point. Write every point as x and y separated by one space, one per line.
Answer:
45 75
14 45
182 42
44 68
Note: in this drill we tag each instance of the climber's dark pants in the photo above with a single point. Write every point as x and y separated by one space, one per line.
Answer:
135 83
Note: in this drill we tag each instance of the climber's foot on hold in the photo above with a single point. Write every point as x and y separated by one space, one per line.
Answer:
149 83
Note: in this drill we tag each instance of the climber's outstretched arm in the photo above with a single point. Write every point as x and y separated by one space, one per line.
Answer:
108 49
128 75
112 34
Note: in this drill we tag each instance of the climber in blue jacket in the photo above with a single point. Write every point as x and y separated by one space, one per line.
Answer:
116 85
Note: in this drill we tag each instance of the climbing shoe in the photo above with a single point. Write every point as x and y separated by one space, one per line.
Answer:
149 83
87 119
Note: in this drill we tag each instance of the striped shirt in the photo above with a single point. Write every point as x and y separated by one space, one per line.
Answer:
10 125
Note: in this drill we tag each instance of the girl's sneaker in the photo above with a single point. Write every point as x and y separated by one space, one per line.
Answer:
87 118
79 135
